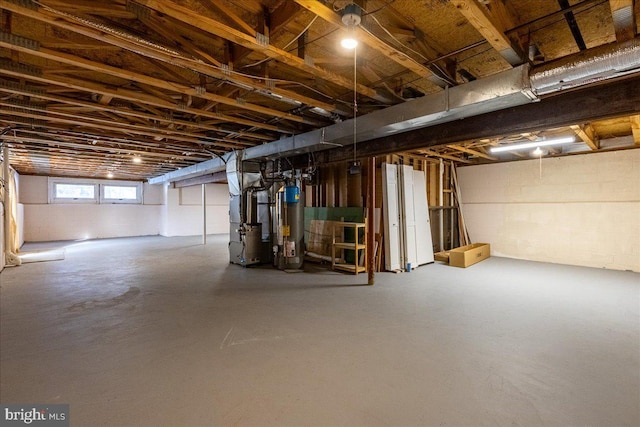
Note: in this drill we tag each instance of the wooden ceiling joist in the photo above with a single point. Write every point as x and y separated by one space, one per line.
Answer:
436 154
130 130
104 124
588 135
239 22
256 43
624 19
396 55
137 97
473 152
160 117
491 28
144 79
61 133
635 128
88 7
100 148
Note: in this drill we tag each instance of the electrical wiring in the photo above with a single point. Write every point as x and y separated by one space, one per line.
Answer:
177 55
287 45
387 4
399 43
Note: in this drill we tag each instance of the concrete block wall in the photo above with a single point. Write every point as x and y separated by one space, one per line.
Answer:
579 210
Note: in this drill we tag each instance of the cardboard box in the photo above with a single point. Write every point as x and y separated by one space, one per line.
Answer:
442 256
465 256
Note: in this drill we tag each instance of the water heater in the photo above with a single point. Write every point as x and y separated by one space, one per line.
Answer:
289 250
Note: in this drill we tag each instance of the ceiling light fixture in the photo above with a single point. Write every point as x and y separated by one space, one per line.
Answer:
525 145
349 43
137 159
351 18
109 175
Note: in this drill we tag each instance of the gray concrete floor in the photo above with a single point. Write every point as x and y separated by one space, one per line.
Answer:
163 331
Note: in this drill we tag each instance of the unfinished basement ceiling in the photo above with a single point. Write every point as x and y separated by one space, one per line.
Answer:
89 86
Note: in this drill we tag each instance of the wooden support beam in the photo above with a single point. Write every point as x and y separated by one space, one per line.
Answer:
182 61
151 81
588 135
156 132
624 19
635 128
137 97
105 99
89 7
158 116
93 123
329 15
491 29
78 46
371 229
436 154
160 25
471 151
258 44
238 21
109 139
102 149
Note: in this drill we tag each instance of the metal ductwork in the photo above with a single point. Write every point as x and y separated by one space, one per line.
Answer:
602 63
507 89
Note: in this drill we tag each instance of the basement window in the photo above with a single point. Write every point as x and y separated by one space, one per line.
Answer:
78 190
67 192
121 193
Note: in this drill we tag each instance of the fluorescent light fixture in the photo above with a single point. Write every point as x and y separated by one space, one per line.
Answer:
533 144
349 43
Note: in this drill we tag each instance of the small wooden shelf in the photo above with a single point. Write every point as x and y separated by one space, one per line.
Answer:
359 246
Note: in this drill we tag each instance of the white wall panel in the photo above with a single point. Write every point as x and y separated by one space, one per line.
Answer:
90 221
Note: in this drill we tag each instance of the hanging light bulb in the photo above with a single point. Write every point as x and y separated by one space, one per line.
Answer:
351 18
537 152
349 43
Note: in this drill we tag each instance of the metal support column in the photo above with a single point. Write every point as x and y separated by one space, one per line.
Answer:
204 214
